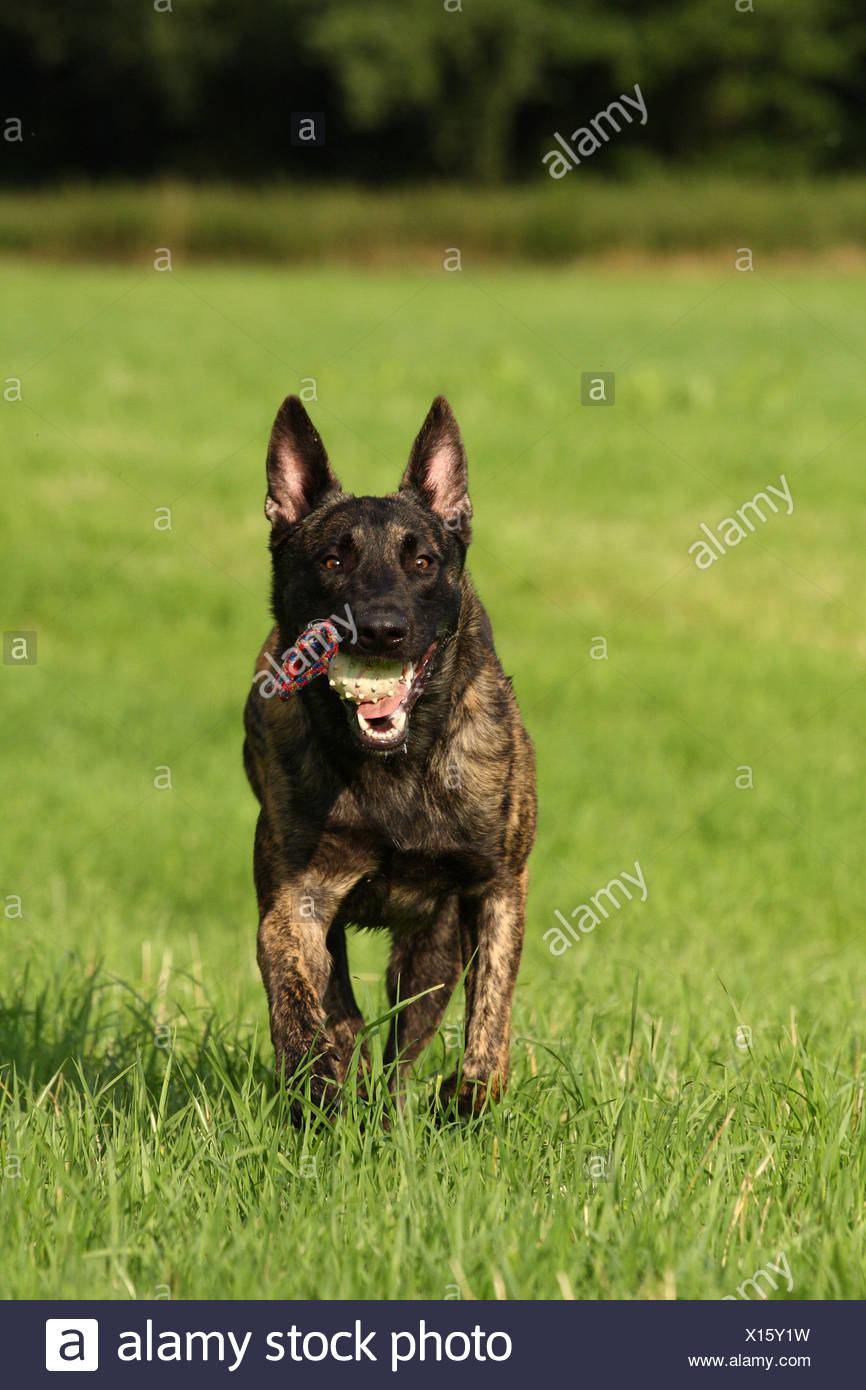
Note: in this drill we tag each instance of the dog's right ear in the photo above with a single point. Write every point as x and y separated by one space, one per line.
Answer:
436 470
299 474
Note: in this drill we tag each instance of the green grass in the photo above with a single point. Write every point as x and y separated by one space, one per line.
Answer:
143 1149
544 221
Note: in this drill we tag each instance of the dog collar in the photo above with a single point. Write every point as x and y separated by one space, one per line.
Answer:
309 657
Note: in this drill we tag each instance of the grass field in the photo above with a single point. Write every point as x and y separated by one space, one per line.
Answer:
646 1148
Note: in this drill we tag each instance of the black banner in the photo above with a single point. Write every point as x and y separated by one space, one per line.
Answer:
419 1344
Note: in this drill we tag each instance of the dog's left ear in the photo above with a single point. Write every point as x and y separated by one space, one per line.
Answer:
437 469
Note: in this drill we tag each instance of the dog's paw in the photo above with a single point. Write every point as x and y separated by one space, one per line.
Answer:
313 1080
326 1081
466 1096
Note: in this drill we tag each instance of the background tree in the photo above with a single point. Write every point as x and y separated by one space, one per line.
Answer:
413 90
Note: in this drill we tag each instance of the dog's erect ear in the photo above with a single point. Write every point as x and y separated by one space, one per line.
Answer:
299 474
437 469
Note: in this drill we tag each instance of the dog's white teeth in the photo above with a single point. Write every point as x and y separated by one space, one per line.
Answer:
390 735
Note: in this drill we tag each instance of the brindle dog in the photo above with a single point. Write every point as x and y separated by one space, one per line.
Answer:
421 821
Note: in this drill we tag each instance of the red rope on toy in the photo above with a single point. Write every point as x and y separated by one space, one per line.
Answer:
308 658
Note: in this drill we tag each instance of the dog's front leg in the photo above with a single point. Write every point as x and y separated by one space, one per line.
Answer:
296 912
295 968
425 963
492 933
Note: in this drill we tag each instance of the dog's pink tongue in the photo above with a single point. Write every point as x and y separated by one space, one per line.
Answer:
380 709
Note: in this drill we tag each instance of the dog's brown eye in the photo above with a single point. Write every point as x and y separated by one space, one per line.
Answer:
423 562
332 562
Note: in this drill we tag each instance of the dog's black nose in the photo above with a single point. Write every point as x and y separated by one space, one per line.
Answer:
380 633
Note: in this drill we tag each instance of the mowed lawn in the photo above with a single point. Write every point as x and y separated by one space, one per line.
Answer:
686 1103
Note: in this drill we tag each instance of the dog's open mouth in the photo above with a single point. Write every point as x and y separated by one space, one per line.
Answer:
383 693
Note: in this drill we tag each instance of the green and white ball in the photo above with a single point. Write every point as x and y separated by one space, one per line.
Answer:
364 678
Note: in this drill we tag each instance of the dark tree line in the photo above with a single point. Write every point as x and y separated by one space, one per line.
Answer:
458 89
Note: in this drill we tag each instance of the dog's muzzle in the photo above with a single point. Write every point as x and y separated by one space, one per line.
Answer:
383 692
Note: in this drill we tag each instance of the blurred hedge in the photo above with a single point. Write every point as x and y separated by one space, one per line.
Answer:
546 221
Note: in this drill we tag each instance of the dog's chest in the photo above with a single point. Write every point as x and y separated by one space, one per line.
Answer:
417 822
424 851
408 890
